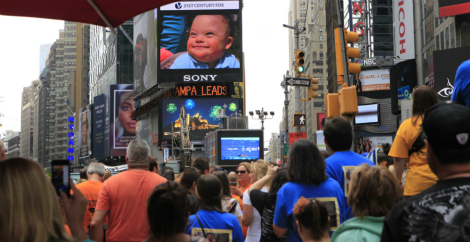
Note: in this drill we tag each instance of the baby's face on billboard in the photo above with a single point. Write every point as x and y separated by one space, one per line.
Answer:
209 38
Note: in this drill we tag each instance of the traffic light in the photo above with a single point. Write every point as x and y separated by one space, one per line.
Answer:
299 61
349 37
348 101
313 87
332 105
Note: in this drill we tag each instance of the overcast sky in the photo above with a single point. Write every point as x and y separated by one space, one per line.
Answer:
265 44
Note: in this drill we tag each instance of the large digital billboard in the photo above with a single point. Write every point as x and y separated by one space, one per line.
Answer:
122 126
140 52
446 63
200 41
201 114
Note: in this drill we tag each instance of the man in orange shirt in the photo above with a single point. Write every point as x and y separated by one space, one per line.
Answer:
123 198
90 189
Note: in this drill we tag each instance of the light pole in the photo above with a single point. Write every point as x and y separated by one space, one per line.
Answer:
262 115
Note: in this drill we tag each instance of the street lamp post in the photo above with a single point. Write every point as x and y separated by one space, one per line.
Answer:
262 115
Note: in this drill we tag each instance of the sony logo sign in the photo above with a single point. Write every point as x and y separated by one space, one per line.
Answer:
196 78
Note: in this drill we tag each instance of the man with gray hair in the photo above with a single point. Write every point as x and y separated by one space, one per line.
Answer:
90 188
3 151
123 198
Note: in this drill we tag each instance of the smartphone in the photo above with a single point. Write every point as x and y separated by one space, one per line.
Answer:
233 184
60 176
232 209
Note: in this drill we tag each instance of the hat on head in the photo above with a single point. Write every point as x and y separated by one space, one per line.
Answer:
446 126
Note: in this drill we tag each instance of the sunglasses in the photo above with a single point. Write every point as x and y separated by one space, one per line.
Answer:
240 172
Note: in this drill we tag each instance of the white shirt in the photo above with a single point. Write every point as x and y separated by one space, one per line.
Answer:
254 231
238 210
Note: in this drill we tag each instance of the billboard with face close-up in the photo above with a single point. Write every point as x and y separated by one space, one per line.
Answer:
84 132
200 41
121 126
201 114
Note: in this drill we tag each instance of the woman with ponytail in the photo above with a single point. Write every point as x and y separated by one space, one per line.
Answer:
312 220
211 221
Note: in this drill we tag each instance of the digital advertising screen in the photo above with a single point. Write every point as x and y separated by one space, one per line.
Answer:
200 41
367 114
140 52
239 148
84 134
446 63
122 127
201 115
403 79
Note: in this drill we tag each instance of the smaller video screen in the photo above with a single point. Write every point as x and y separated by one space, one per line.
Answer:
368 114
240 148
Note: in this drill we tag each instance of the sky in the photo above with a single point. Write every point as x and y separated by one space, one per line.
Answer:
265 44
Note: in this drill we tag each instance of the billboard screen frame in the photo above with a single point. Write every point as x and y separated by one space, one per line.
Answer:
199 75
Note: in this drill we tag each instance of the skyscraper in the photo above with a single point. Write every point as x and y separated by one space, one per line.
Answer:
27 120
43 50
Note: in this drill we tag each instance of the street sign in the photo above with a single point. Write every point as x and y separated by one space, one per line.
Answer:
298 82
286 149
299 119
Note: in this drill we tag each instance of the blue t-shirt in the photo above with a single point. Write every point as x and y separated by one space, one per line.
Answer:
329 192
219 226
185 61
461 93
340 167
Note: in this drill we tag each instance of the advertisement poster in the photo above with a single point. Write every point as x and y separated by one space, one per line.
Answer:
367 144
321 119
295 136
84 131
186 51
140 52
446 63
375 80
201 115
124 128
99 111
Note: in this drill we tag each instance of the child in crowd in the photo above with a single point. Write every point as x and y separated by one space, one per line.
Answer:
209 37
312 220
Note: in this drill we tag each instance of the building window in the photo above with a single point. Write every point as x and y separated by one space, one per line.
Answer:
437 42
321 55
314 55
321 37
321 30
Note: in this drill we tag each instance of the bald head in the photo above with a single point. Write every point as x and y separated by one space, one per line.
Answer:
3 152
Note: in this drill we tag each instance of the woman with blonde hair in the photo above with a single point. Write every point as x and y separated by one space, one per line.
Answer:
373 191
251 216
30 210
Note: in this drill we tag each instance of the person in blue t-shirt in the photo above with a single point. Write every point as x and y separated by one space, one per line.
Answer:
211 222
461 92
209 38
341 164
307 178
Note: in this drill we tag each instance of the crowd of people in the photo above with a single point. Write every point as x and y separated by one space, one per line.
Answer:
333 195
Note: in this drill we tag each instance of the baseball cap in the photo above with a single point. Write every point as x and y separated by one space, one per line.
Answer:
446 126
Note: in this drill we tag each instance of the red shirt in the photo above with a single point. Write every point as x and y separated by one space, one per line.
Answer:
125 197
